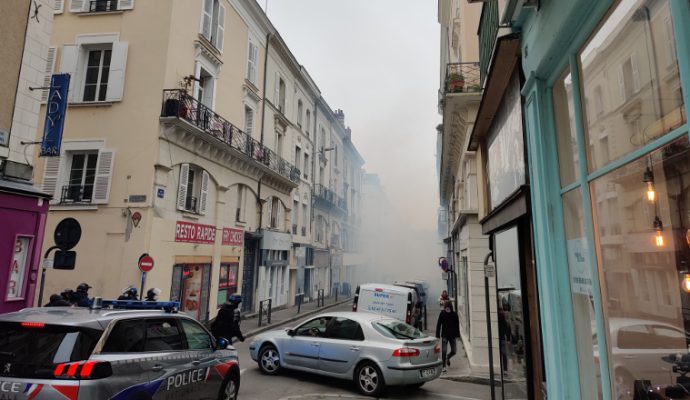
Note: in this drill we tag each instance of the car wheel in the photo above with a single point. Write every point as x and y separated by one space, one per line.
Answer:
230 388
369 379
269 360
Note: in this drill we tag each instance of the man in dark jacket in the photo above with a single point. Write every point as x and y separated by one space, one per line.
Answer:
227 323
448 330
81 295
57 301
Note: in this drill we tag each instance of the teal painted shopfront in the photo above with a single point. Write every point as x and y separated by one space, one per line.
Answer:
606 98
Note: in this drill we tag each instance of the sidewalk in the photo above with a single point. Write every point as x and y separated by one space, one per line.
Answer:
250 322
459 369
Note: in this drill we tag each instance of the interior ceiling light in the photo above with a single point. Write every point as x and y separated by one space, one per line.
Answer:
658 228
648 178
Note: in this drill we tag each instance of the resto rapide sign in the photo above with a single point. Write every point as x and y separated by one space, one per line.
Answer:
194 233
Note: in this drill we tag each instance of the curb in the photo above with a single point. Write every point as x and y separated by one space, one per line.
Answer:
265 328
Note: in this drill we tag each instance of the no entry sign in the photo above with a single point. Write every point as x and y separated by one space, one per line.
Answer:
145 263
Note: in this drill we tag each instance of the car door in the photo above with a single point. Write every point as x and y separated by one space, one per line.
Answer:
302 349
342 345
203 356
124 348
172 364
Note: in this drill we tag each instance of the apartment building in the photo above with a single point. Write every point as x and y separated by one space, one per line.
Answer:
180 143
25 27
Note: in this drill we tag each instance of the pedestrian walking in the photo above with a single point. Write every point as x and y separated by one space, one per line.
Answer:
444 297
227 323
57 301
81 295
448 330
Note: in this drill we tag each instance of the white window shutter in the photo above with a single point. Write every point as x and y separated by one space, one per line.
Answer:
50 66
77 6
59 6
182 187
251 62
203 196
220 29
51 173
269 212
621 83
277 91
104 174
635 72
68 65
279 217
116 79
125 5
207 18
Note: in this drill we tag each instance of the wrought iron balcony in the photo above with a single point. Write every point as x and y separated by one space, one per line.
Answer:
103 6
177 103
342 203
463 77
76 194
323 193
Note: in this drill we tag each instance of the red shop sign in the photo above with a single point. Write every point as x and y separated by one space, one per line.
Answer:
194 233
233 237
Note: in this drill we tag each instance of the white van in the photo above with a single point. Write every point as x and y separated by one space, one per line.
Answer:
394 301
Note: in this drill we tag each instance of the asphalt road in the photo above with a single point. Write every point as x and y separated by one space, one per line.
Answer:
292 385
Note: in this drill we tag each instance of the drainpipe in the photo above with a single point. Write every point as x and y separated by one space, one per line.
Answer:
263 106
492 379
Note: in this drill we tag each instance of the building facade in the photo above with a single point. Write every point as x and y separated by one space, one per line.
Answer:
607 139
25 27
460 173
178 144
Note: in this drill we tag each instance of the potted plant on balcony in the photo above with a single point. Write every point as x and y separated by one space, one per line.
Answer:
455 82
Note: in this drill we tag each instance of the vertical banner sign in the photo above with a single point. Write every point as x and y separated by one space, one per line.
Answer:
55 115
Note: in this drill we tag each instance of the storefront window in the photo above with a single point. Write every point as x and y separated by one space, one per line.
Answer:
506 147
565 129
190 286
642 225
511 328
630 81
581 290
227 283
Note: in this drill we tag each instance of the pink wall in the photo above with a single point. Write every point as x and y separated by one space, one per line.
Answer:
23 217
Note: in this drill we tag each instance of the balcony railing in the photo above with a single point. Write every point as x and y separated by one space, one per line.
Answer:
103 6
76 194
342 203
177 103
325 193
463 78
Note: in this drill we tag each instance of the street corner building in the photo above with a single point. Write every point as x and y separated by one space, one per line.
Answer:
583 191
26 28
193 141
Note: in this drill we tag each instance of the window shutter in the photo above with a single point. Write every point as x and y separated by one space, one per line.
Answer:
125 4
279 217
104 173
68 65
251 63
50 66
51 173
77 6
116 79
635 72
269 212
621 83
182 187
220 29
59 6
206 18
203 196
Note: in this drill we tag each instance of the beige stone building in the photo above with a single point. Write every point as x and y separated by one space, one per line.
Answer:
178 144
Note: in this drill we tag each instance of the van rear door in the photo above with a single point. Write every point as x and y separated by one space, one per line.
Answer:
385 302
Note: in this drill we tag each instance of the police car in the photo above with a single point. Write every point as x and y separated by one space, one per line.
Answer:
113 350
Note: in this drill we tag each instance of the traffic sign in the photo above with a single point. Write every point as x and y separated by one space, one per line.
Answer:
67 234
145 263
489 270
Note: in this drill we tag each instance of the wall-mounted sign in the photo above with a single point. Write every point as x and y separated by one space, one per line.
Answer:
136 218
56 107
233 237
194 233
160 193
137 198
4 138
15 285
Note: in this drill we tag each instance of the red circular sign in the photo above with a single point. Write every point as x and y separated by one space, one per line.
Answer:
146 263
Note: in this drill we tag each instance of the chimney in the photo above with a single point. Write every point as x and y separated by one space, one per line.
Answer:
348 133
340 116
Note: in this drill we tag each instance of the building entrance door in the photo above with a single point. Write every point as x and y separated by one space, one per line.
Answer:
248 273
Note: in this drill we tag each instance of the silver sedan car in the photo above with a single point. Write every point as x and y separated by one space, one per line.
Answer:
374 351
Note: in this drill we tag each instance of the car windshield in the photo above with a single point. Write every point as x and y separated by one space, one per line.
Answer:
33 351
397 329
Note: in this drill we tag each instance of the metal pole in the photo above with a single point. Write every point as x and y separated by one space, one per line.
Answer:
488 328
43 274
261 307
143 279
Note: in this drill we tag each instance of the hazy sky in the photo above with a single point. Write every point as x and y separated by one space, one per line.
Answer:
378 61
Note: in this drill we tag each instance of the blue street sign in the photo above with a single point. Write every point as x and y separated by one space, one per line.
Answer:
56 108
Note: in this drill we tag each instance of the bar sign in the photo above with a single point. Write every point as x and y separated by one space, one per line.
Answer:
56 108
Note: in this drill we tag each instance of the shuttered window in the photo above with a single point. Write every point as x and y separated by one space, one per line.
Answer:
98 71
48 72
79 177
251 62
